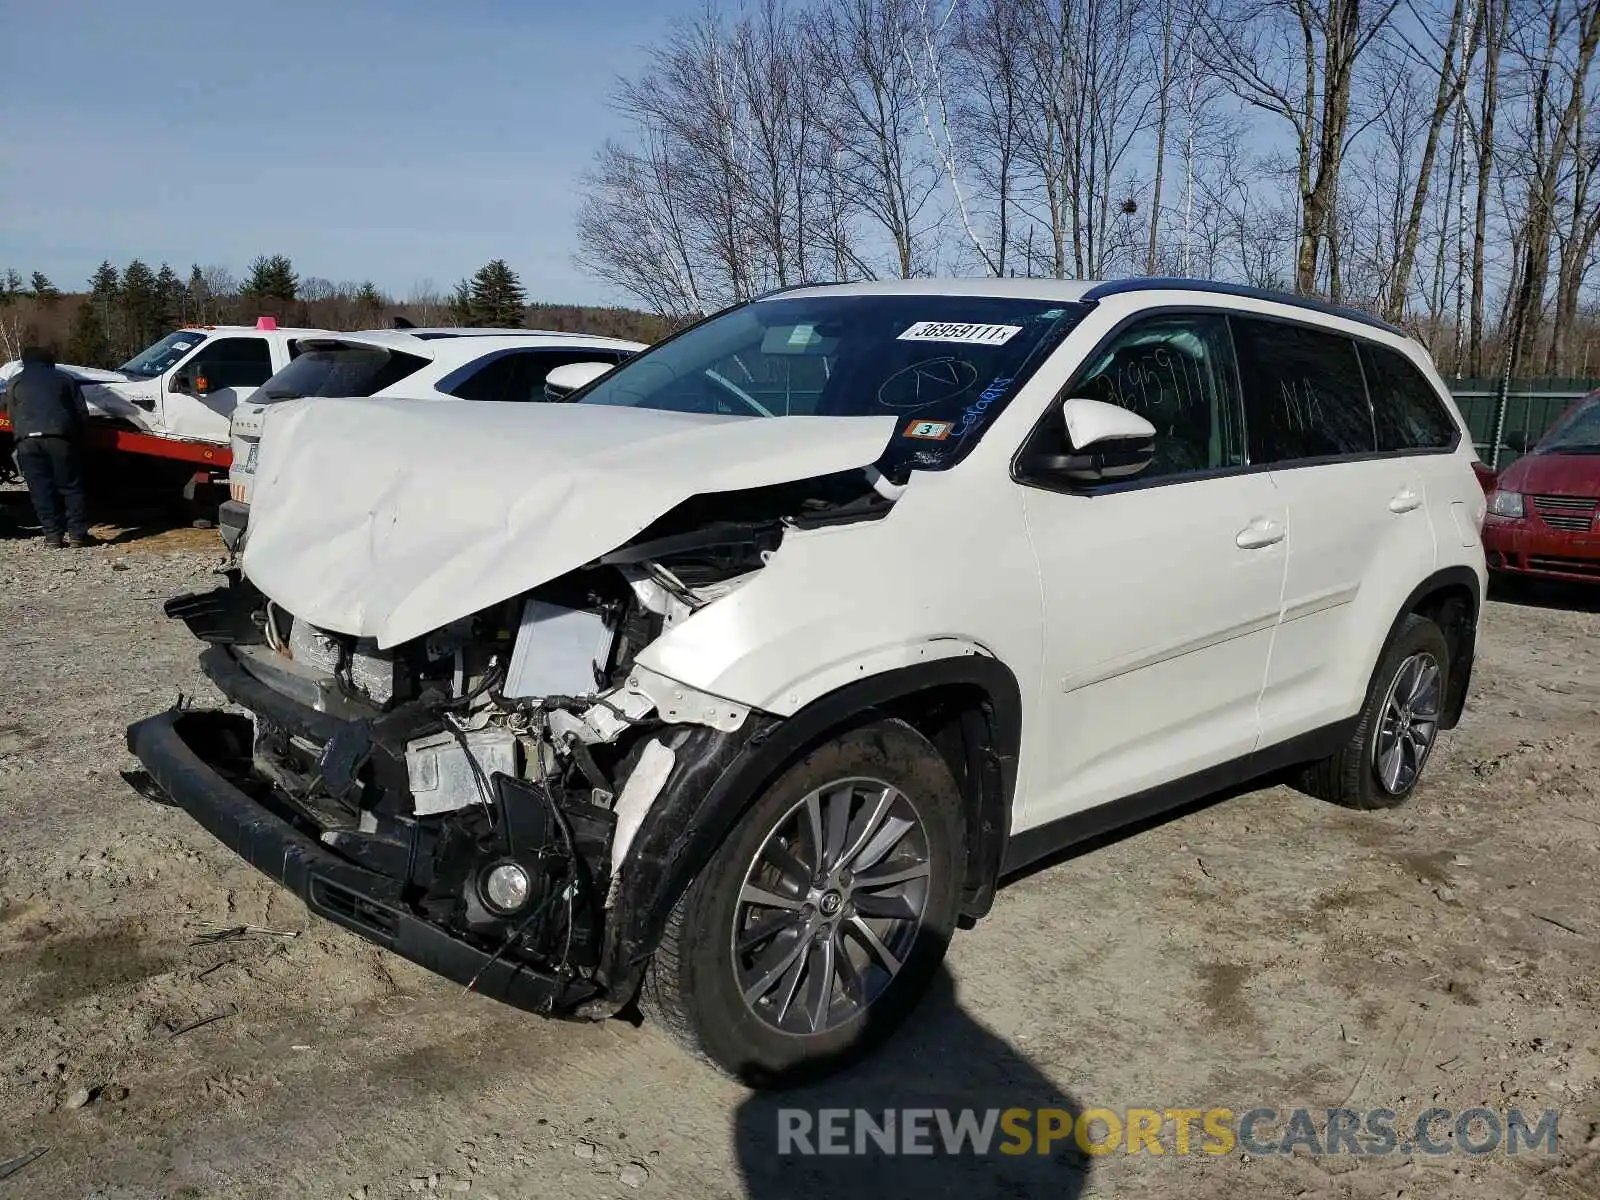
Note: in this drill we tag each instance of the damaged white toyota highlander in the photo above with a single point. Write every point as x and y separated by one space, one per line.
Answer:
734 685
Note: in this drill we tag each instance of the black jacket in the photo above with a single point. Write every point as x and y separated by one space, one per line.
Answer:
43 400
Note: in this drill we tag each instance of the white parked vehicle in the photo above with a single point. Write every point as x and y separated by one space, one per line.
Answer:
734 684
183 389
419 364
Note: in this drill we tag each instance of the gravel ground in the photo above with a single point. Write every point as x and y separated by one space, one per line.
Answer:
1264 949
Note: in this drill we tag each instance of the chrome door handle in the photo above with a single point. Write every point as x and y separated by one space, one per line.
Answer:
1259 534
1405 501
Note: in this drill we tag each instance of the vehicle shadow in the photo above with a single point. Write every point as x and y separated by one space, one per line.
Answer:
943 1061
1546 593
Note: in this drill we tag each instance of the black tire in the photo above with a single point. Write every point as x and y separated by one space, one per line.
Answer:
1350 776
691 988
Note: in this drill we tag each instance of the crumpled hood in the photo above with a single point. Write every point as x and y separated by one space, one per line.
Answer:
95 375
389 518
81 374
103 400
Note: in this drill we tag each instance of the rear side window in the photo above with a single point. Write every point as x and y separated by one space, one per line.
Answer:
236 362
518 377
341 369
1405 410
1304 396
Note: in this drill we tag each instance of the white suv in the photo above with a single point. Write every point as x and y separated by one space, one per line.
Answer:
734 684
420 364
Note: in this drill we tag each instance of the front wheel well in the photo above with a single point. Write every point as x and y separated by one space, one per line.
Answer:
968 706
963 723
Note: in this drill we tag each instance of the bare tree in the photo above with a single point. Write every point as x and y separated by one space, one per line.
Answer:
1578 200
1558 49
425 305
1430 53
1089 75
1172 40
1297 59
1434 160
989 117
17 318
1496 30
872 114
635 232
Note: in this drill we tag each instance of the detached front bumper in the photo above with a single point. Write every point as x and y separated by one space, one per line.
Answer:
179 750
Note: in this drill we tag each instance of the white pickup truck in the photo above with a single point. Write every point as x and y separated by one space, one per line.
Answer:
496 365
174 399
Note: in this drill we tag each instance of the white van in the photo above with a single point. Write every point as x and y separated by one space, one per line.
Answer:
185 386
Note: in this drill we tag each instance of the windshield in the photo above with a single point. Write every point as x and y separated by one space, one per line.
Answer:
1578 433
944 365
164 355
330 368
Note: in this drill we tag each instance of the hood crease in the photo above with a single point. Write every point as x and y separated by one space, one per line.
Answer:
390 518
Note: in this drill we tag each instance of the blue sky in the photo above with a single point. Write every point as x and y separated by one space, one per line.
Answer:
399 141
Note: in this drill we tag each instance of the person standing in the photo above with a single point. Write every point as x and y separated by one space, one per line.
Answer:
49 419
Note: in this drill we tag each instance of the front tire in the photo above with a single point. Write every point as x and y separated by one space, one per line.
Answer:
818 923
1400 723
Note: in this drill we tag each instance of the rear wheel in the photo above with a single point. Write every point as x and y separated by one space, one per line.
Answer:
1380 766
818 923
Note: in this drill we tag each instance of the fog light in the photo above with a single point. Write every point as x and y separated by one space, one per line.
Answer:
506 888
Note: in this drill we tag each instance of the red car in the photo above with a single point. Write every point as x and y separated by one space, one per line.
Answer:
1544 513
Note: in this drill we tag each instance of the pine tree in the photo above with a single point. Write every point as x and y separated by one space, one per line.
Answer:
197 296
141 308
271 278
169 297
497 299
89 344
105 283
368 296
98 332
10 287
460 304
43 290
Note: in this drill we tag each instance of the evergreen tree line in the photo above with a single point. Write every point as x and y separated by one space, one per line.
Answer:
123 311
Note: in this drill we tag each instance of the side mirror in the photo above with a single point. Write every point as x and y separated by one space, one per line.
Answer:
1518 441
563 381
193 381
1104 442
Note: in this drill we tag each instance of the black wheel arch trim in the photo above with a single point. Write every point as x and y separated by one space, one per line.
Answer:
717 776
1460 630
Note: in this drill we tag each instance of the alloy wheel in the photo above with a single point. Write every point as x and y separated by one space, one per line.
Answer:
831 906
1409 723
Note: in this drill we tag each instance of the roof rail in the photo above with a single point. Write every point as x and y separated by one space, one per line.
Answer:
795 287
1118 287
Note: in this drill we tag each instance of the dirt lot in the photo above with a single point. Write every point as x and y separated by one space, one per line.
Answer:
1263 950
